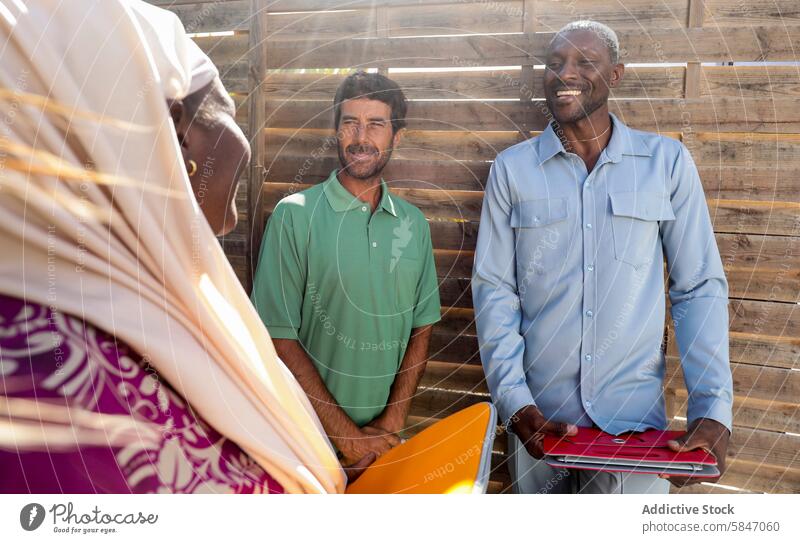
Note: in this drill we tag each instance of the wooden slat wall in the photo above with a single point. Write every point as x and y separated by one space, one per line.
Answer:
741 124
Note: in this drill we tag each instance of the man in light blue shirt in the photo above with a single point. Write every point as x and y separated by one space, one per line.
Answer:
568 281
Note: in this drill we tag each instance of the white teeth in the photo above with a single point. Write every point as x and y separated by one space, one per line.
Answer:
568 93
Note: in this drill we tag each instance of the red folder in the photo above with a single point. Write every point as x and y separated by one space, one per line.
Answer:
634 452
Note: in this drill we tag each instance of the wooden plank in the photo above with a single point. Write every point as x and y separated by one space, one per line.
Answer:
763 447
769 318
766 415
762 478
758 385
448 347
225 50
761 284
479 17
213 16
779 151
765 82
757 43
329 25
693 70
451 263
437 115
630 14
755 217
725 13
714 114
312 5
760 182
493 84
747 477
710 114
455 378
757 349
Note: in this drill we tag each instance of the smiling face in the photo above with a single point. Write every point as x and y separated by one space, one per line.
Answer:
578 76
366 138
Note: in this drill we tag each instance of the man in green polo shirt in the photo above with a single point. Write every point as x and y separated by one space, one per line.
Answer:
346 282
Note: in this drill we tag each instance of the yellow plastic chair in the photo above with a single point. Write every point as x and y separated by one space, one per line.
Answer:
452 456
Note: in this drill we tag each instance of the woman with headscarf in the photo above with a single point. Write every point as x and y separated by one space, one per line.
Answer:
131 359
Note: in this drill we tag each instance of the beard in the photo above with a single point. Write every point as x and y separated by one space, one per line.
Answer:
575 114
364 169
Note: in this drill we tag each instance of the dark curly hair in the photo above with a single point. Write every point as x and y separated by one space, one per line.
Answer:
374 86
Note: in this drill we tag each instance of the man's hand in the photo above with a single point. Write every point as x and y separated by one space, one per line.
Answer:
705 434
354 471
530 426
374 430
355 448
386 423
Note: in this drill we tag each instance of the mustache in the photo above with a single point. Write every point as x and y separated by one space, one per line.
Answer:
356 148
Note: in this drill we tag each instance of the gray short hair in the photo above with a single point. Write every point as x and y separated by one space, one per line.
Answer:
604 32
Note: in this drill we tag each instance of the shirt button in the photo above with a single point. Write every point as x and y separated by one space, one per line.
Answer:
587 404
374 243
589 225
590 267
363 208
589 313
588 357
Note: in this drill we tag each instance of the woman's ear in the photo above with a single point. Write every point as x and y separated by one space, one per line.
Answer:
177 113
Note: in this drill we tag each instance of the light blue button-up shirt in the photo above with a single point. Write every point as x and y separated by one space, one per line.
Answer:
568 283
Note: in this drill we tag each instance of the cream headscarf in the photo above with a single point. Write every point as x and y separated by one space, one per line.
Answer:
97 220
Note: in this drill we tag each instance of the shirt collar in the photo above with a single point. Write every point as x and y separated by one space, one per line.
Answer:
624 141
342 200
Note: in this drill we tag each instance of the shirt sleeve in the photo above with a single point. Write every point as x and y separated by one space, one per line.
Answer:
698 292
497 306
279 282
427 309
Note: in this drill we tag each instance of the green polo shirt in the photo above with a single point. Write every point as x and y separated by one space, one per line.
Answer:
350 285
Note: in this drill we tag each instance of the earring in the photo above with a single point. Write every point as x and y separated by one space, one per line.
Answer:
192 168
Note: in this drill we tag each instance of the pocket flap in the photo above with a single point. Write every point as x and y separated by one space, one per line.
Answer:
533 213
647 206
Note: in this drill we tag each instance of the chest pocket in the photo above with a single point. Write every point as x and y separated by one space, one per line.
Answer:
406 273
635 222
540 227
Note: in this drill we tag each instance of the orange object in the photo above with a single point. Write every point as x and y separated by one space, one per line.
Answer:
452 456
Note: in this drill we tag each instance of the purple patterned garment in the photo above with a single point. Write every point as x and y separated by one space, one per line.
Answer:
61 359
